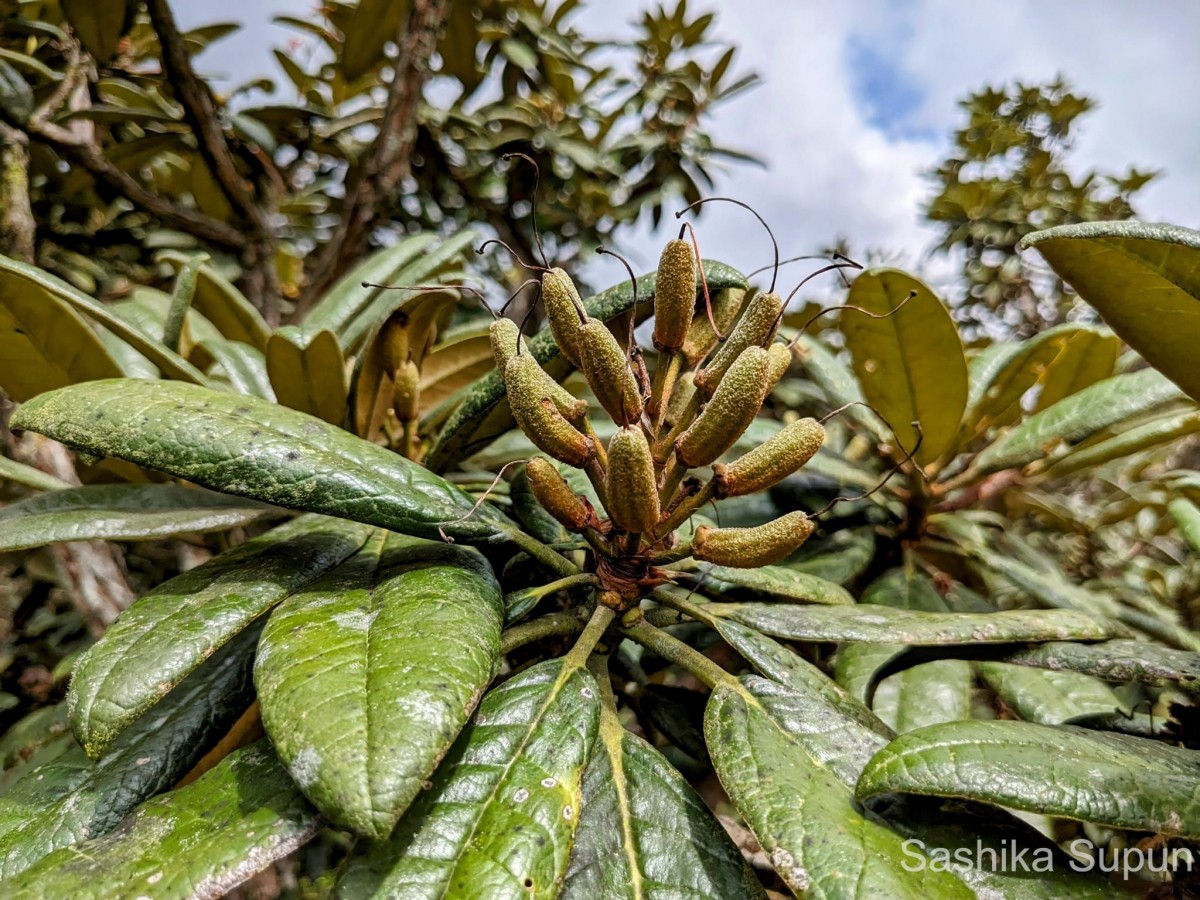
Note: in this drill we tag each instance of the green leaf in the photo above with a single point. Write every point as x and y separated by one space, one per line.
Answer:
776 583
500 817
1048 697
33 732
773 660
1001 374
787 770
858 667
19 473
1158 432
100 24
367 676
71 799
198 841
45 344
910 365
121 512
1118 661
243 366
1089 356
256 449
1187 519
1103 405
836 379
373 24
484 414
224 305
167 634
881 624
308 373
1145 281
24 288
843 556
927 694
16 96
905 588
352 311
1092 776
645 833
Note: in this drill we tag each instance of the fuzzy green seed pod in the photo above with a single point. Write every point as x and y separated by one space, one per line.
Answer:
539 416
632 491
755 328
504 336
729 413
552 491
406 391
749 548
525 369
608 372
700 337
563 306
772 461
779 360
393 342
674 295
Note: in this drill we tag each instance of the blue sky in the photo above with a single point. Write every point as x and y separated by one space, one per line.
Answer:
859 100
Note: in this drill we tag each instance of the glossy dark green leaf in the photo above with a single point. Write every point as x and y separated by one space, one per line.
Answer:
1145 281
499 820
858 665
244 367
72 799
308 373
1048 697
843 556
31 733
255 449
1103 405
927 694
1092 776
26 290
168 633
367 676
644 832
881 624
787 763
1118 661
197 841
776 583
121 512
484 414
910 365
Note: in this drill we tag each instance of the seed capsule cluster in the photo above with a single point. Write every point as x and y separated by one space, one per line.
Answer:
715 363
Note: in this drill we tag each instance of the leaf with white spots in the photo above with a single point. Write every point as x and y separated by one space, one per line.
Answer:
500 817
367 675
198 841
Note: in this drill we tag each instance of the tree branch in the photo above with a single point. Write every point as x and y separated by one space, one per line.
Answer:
200 113
387 162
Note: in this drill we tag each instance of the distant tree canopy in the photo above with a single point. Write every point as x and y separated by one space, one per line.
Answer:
1007 176
392 117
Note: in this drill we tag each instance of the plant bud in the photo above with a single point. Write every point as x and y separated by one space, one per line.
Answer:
608 372
504 336
393 342
674 295
525 369
700 337
632 491
729 413
563 306
552 491
406 391
755 328
749 548
539 416
779 360
772 461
